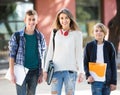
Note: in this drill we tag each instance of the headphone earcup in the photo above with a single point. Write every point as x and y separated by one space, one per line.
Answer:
66 33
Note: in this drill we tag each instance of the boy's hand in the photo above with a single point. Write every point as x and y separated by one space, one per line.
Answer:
112 87
90 79
13 80
40 79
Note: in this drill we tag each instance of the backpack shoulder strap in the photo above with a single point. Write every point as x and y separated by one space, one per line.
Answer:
17 35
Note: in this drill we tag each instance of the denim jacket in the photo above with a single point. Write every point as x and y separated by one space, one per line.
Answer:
18 53
109 55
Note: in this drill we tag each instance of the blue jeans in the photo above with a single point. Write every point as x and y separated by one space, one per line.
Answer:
29 85
68 78
100 88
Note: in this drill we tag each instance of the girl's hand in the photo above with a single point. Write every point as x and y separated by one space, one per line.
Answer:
45 76
80 77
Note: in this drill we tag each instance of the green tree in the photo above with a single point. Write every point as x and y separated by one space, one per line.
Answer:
5 12
87 10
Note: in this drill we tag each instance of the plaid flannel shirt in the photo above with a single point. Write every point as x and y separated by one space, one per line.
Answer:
18 53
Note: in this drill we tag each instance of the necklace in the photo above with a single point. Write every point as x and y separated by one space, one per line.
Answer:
65 33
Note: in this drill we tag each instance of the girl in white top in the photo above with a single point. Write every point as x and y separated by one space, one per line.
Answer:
67 55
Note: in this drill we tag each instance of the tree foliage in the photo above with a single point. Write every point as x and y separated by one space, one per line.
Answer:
87 10
5 12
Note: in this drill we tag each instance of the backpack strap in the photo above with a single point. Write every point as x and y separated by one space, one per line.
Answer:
17 36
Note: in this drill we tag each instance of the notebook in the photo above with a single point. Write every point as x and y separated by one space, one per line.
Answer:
97 71
20 73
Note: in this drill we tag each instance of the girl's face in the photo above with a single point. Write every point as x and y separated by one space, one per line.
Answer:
99 34
31 21
64 21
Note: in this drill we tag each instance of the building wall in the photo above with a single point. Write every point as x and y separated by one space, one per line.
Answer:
47 10
109 10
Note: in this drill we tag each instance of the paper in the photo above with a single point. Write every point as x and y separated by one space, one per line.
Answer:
98 70
20 74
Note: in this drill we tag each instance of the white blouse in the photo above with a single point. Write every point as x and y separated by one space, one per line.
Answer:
68 53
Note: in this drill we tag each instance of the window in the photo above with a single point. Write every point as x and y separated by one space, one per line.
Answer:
87 14
11 20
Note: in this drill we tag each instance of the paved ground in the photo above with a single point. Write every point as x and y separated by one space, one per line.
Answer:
7 88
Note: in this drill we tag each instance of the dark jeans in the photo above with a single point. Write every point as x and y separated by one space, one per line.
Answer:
29 85
100 88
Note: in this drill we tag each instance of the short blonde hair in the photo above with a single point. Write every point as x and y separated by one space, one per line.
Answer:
102 27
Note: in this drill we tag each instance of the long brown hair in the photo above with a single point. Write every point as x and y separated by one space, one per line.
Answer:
73 24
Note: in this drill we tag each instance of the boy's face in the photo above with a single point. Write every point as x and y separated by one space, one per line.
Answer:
99 34
31 21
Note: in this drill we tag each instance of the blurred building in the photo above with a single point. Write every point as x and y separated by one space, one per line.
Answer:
86 14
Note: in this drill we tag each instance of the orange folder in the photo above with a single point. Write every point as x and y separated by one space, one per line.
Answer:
98 68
